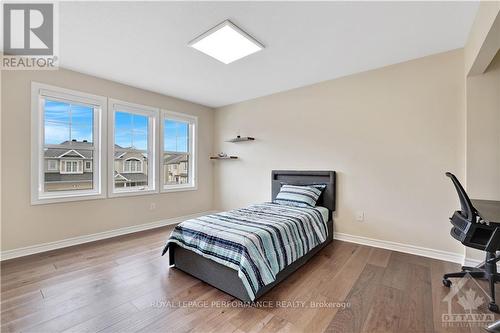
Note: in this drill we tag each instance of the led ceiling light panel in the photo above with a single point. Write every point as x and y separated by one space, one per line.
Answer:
226 43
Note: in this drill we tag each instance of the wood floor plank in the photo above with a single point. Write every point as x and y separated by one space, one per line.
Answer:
276 324
97 301
416 310
379 257
396 273
360 300
438 268
385 313
23 298
103 320
166 318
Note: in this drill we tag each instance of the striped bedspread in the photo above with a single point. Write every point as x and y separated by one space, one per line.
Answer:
258 241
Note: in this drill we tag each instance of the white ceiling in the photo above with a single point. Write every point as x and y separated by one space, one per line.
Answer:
145 44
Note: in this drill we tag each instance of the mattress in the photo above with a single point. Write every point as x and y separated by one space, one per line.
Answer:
324 212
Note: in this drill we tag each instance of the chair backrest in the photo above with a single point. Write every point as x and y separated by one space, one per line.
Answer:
467 210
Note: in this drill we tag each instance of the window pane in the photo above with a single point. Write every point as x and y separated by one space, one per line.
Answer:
175 168
176 135
64 122
68 130
56 127
131 130
82 123
131 146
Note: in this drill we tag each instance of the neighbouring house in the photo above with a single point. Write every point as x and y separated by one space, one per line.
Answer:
175 168
131 167
69 166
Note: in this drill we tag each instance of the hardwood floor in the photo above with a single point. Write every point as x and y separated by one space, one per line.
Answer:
124 285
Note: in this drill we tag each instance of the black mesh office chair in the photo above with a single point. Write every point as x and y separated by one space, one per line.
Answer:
472 231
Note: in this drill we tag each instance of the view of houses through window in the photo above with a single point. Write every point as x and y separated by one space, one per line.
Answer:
176 153
68 144
67 156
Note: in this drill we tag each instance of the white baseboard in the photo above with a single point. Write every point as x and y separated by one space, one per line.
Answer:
472 262
411 249
26 251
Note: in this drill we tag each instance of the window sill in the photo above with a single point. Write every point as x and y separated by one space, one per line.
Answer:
68 198
179 188
131 193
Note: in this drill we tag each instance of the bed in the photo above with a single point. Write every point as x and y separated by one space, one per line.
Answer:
237 282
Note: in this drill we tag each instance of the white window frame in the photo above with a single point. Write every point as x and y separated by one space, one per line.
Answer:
39 92
153 114
192 151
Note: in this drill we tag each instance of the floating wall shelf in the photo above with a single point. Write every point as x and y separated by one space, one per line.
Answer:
223 158
241 139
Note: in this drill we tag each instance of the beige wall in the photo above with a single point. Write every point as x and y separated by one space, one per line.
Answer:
390 134
24 225
483 138
483 41
483 133
482 95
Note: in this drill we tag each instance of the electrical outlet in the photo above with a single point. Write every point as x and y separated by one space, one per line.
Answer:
152 206
360 216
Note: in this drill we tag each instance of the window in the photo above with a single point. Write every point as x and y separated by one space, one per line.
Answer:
132 165
66 128
88 166
178 140
52 165
132 133
71 167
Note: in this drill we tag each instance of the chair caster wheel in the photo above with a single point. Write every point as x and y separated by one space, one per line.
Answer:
446 283
493 307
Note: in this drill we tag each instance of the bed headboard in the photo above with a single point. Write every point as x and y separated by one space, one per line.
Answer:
327 198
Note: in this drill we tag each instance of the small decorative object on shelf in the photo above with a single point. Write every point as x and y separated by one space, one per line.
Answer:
223 156
241 138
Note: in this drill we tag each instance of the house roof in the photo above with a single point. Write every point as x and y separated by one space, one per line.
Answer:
65 152
134 177
175 158
122 152
77 149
